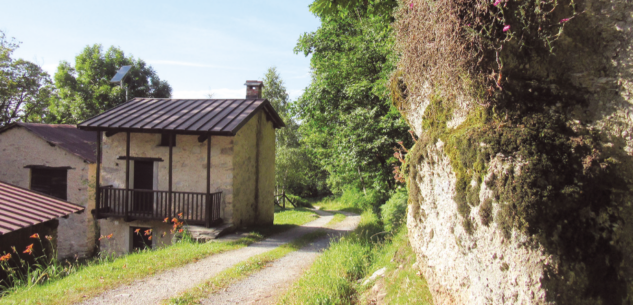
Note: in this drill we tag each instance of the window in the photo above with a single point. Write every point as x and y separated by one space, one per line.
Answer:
164 139
50 181
141 238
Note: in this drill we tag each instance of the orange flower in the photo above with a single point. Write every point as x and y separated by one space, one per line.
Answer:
174 220
180 231
5 257
166 219
49 237
149 238
35 236
148 232
29 249
137 230
180 214
109 236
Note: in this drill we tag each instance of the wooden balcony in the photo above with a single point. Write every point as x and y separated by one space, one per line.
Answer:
196 208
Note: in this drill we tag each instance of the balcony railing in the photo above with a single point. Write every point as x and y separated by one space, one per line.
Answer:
196 208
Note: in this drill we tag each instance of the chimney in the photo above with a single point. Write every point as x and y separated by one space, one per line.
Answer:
254 89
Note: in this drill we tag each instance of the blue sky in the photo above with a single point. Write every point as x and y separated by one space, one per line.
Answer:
199 47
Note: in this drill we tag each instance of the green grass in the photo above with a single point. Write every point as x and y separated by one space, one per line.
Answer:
95 278
242 270
401 282
333 204
98 276
338 217
296 216
332 278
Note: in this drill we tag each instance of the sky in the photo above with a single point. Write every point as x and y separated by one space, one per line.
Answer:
199 47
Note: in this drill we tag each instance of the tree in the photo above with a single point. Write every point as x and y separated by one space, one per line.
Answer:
85 89
25 88
348 121
295 171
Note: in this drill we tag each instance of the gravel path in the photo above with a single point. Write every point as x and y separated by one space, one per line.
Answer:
152 290
266 286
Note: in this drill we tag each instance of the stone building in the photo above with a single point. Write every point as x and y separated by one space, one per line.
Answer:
210 160
57 160
24 213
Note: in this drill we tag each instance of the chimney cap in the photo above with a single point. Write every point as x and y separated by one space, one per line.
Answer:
254 83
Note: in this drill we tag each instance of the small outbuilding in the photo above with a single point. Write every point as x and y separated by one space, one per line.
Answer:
59 161
204 161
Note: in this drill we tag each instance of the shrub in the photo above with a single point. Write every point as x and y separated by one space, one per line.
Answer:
393 212
300 202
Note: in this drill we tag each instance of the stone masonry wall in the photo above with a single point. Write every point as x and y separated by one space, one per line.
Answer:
18 148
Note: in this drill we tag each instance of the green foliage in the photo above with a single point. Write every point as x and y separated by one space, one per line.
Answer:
394 211
85 89
25 89
295 169
355 198
301 202
348 123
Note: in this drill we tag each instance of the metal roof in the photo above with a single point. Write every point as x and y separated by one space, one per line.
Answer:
21 208
182 116
78 142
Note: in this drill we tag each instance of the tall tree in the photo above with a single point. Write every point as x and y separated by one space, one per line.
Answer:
295 171
85 89
25 88
348 120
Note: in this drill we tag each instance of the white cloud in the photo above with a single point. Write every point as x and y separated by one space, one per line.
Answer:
226 93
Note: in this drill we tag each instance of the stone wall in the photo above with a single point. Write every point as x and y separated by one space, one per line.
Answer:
189 164
121 241
254 165
18 148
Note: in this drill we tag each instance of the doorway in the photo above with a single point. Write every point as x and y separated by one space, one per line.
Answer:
143 180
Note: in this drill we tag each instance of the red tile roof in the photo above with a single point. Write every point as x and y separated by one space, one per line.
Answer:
21 208
78 142
182 116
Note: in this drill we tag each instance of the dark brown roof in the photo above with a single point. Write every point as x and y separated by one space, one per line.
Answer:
182 116
78 142
21 208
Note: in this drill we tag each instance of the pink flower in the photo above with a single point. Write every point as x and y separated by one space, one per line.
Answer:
496 2
506 28
564 20
411 5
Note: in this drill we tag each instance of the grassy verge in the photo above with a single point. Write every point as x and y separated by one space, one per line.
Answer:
98 276
332 278
338 217
401 283
242 270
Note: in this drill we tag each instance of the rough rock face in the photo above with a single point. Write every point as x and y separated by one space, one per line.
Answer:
479 263
482 268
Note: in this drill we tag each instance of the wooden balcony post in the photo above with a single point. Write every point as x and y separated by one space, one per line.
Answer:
169 194
97 181
208 197
127 175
